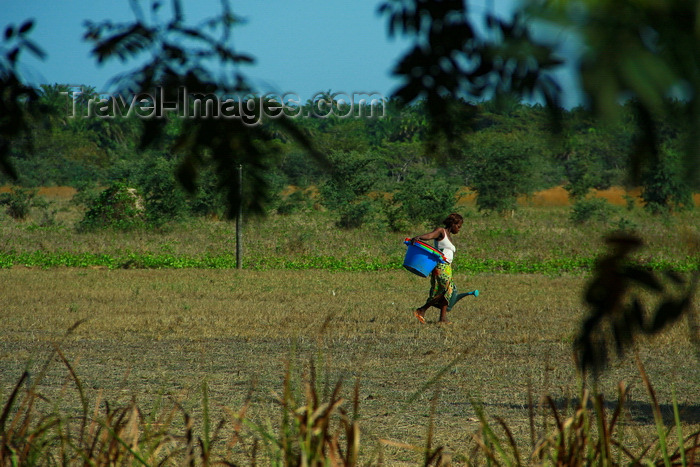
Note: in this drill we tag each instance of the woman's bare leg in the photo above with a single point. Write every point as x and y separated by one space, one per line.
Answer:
438 302
443 311
420 312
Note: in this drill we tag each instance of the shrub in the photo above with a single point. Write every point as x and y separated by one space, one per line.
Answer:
425 199
626 225
119 207
395 214
47 215
351 178
297 201
164 198
585 210
19 201
664 187
354 215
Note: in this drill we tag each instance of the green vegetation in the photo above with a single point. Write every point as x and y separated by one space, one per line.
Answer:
18 202
502 168
585 210
535 240
508 152
118 207
665 186
346 187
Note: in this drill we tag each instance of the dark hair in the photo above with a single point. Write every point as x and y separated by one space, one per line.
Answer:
453 219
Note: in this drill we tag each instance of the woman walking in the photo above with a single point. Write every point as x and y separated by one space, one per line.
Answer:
441 285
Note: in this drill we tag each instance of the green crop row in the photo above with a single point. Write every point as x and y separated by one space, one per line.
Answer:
305 262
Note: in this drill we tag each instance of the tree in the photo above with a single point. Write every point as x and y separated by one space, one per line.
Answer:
500 166
641 53
663 186
424 197
163 198
119 207
400 157
450 60
350 179
400 124
584 160
56 102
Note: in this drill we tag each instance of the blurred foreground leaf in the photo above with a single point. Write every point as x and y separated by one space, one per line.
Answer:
451 60
617 297
13 92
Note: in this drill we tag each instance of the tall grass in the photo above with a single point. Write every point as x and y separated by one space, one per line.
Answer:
312 431
315 428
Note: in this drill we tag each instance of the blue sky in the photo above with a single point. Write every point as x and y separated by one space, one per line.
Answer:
300 46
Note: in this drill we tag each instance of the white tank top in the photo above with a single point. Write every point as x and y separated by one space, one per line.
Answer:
447 248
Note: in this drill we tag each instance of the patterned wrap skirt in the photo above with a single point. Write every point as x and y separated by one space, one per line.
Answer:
441 282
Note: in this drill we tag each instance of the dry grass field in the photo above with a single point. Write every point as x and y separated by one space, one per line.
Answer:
153 333
154 336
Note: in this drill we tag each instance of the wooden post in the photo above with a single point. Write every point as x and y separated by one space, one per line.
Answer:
239 220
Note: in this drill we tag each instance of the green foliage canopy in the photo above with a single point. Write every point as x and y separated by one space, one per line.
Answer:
500 165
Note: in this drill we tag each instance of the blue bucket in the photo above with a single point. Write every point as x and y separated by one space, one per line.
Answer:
421 259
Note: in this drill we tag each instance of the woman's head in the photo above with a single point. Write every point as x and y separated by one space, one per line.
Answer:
453 222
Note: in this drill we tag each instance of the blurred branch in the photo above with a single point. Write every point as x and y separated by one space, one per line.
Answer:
13 92
617 308
641 52
449 61
184 57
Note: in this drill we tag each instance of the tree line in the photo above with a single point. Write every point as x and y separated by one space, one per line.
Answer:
501 148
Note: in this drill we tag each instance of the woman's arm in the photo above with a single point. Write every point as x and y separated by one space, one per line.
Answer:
438 233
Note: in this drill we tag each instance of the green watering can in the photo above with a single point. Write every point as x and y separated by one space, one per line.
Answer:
456 296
